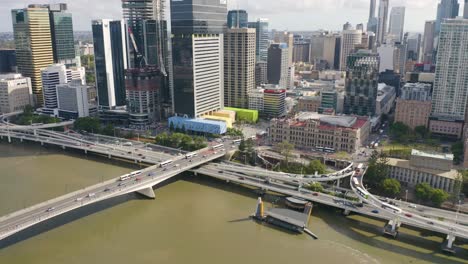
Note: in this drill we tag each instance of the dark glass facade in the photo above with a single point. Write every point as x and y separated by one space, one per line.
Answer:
117 62
190 17
7 60
237 19
362 79
61 25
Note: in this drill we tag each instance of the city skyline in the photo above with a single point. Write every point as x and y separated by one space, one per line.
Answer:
283 16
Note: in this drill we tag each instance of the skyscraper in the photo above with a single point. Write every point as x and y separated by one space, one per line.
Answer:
278 64
262 42
465 13
427 55
237 19
239 66
413 47
197 48
61 25
382 21
450 93
446 9
110 60
147 24
361 83
349 40
33 43
287 38
397 22
372 20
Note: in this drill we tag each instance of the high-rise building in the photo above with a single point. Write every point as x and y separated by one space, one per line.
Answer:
54 75
274 102
413 47
361 83
143 86
287 38
450 95
261 75
397 22
239 66
372 9
33 42
15 92
445 10
197 48
61 25
349 40
330 45
262 42
73 101
427 51
301 52
110 58
347 26
278 64
237 19
8 60
465 12
317 46
382 21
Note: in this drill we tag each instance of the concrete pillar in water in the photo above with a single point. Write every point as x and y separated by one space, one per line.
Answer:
308 210
448 245
148 192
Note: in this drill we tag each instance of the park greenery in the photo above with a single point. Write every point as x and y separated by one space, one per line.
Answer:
234 132
315 187
87 61
247 151
425 193
457 151
181 141
315 166
404 134
93 125
377 176
28 117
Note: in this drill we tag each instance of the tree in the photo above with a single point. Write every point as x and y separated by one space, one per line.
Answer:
422 131
391 187
242 146
457 150
285 148
423 191
316 166
315 187
438 196
400 131
171 126
108 130
377 171
89 124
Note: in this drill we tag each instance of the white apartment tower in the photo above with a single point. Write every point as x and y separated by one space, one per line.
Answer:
239 66
450 93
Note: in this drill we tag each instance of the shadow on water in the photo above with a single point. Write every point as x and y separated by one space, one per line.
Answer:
352 228
74 215
240 220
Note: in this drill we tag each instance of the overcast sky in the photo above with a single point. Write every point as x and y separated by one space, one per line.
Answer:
283 14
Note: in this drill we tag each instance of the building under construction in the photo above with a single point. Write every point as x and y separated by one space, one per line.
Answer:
143 86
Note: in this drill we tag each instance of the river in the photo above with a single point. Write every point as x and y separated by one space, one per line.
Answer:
193 220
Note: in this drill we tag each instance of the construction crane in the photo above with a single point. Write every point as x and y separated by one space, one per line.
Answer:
139 55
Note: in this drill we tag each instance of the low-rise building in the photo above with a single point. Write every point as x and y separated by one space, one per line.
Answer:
269 102
434 169
385 101
308 104
413 108
15 92
314 131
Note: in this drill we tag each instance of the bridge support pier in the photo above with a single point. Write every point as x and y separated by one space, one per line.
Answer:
148 192
391 228
42 143
86 151
346 212
447 246
109 156
21 140
9 139
63 147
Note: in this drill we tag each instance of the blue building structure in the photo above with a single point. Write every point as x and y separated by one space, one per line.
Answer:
198 125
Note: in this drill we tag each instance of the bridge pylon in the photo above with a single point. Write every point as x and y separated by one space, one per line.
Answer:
148 192
391 228
448 246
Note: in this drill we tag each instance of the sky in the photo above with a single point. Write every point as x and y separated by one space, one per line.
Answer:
294 15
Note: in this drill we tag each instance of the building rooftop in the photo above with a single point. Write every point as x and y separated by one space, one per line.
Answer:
330 122
442 156
288 216
452 174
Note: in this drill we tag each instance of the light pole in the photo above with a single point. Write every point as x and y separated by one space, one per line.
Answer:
406 195
458 210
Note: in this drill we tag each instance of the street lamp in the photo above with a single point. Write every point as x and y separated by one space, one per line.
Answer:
406 195
458 210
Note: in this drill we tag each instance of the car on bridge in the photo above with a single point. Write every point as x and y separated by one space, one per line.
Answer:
107 189
137 179
50 209
375 211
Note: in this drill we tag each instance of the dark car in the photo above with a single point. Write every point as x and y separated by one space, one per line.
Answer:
375 211
107 189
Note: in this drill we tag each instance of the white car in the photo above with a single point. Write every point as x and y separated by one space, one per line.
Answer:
412 206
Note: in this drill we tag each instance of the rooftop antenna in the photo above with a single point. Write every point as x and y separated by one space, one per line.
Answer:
237 5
